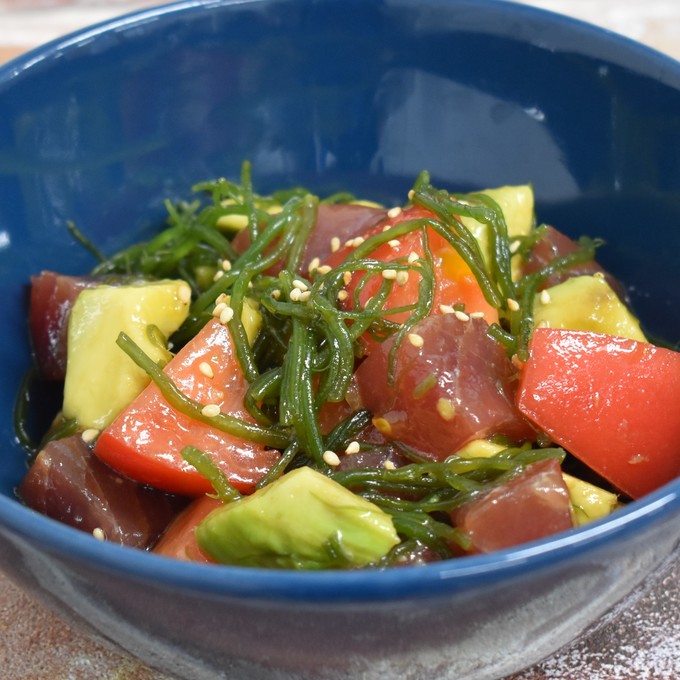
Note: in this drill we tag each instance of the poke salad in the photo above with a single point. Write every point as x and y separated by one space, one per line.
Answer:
303 382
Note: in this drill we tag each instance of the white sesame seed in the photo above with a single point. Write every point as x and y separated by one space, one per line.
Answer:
206 369
335 244
323 269
402 278
347 278
210 410
218 275
222 297
389 465
411 194
353 447
276 293
342 295
445 409
394 243
99 534
446 309
389 274
412 257
226 265
383 426
461 316
476 315
415 339
300 285
514 247
545 297
184 294
513 305
314 264
354 242
295 294
227 315
305 295
219 308
89 435
387 227
331 458
394 212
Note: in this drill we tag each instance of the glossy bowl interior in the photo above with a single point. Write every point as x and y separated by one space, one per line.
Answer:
102 126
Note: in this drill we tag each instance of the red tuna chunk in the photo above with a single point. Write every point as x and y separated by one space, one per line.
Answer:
67 483
52 297
458 386
341 220
533 505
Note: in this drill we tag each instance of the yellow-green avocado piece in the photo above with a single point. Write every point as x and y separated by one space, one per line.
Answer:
586 303
101 380
303 520
589 502
517 204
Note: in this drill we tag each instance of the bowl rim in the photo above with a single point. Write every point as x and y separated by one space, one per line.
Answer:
335 586
126 20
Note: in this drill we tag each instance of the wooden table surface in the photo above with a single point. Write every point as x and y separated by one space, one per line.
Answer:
640 643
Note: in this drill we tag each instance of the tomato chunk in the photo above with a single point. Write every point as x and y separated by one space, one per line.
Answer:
455 284
533 505
611 402
179 539
453 385
146 440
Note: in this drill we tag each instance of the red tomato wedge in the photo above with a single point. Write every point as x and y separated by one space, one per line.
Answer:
533 505
452 383
179 539
146 440
611 402
455 284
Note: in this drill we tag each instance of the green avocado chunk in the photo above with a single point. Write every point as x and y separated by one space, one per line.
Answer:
101 380
303 520
586 303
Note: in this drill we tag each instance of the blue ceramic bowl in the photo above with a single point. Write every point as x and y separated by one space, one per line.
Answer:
102 126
